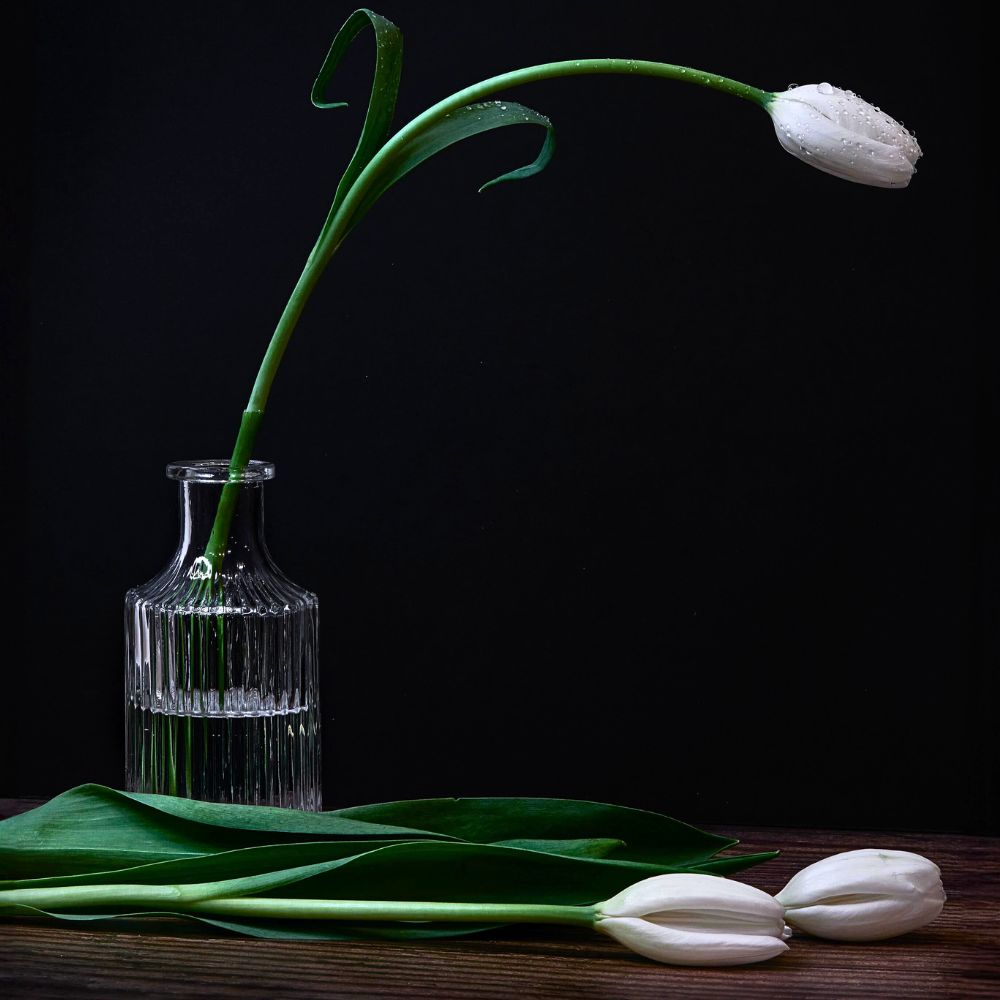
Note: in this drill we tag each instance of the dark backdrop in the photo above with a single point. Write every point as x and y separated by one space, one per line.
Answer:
660 478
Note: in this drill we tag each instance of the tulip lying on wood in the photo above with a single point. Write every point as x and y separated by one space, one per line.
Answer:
679 919
94 853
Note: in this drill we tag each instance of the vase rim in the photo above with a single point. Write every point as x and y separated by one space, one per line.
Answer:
216 470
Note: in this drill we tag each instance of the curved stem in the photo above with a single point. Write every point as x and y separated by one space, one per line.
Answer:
336 229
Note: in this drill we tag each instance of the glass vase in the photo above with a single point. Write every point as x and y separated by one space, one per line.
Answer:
221 668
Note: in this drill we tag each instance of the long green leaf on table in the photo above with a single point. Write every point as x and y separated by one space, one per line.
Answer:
462 872
97 829
253 861
646 836
281 930
94 828
259 860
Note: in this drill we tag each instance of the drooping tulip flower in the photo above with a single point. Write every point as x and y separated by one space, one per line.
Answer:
864 895
837 132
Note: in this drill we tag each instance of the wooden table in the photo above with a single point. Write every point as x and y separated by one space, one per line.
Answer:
958 956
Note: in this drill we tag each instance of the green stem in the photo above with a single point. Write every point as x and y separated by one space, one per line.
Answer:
220 654
184 898
74 897
380 909
336 228
188 768
171 755
215 550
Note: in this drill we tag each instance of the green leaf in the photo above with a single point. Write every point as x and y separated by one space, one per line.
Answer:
92 828
647 836
265 860
241 863
266 819
382 101
281 930
258 860
331 930
441 871
595 847
396 161
475 873
98 835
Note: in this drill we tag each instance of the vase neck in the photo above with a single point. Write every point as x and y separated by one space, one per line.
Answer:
199 502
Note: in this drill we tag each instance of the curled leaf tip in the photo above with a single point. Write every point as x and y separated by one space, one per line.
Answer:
544 155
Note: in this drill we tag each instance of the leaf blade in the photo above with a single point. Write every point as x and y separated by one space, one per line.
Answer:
276 930
97 833
382 99
94 828
648 836
593 847
463 123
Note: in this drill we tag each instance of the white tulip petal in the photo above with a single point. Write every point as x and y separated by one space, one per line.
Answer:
691 919
841 134
864 895
869 870
689 892
679 947
866 920
720 920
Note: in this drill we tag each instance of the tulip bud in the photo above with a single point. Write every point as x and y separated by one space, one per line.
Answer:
864 895
691 919
839 133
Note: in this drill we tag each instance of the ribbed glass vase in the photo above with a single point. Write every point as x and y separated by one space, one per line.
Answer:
221 670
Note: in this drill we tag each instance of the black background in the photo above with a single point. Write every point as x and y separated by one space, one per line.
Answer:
661 478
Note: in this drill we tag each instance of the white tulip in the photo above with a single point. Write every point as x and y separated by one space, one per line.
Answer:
864 895
839 133
690 919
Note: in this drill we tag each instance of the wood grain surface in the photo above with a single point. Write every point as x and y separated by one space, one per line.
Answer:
957 956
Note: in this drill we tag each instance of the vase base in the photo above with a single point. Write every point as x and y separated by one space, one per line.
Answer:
264 758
